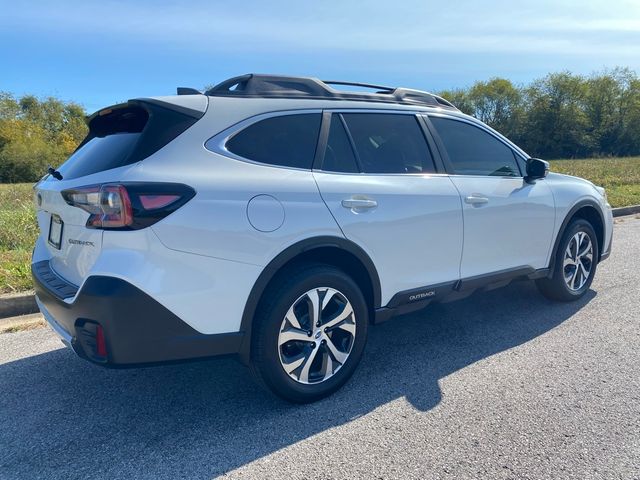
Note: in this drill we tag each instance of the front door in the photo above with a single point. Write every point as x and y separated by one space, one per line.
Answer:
508 223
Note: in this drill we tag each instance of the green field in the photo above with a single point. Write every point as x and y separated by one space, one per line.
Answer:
620 176
18 231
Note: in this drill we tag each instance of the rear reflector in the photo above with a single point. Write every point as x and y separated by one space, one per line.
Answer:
101 345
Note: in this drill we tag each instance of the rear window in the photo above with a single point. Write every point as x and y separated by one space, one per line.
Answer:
100 153
286 140
126 134
110 143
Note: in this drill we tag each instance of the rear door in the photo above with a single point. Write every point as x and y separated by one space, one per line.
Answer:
508 223
379 179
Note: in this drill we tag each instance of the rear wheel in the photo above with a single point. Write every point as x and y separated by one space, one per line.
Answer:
310 333
575 263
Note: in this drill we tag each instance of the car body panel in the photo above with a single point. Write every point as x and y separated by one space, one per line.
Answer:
413 235
80 246
207 293
570 191
513 229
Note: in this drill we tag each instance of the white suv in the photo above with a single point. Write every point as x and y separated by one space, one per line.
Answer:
276 218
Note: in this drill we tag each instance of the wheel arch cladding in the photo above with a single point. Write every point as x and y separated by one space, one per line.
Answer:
589 211
594 217
335 251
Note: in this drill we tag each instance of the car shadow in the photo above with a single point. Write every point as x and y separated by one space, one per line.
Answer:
64 418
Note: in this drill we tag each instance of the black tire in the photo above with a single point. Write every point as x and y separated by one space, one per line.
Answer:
288 288
556 287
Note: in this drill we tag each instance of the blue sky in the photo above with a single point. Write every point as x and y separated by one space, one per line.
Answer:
101 52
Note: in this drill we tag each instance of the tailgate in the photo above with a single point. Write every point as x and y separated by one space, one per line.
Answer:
73 247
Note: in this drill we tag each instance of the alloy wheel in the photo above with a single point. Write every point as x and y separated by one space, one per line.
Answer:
578 261
317 335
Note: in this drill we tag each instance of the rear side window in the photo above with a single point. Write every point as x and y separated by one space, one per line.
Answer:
286 140
339 156
389 143
473 151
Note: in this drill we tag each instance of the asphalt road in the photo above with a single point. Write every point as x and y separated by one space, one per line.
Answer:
504 384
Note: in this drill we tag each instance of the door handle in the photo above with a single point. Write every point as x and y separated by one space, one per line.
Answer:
475 199
359 203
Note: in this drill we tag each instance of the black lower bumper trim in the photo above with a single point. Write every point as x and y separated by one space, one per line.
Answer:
137 329
57 286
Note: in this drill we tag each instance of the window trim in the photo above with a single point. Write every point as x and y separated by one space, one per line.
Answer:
352 142
218 143
439 166
515 150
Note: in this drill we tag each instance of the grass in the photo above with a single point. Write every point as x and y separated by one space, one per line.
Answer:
20 324
18 230
620 176
18 233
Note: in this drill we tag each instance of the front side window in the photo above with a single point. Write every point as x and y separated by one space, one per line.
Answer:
286 140
389 143
472 151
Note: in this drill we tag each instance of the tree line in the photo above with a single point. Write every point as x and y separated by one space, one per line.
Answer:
562 115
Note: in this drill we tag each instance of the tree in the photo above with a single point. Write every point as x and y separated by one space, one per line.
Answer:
36 133
557 124
460 98
611 99
498 104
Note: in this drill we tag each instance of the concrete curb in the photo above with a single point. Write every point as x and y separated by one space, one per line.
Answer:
630 210
15 304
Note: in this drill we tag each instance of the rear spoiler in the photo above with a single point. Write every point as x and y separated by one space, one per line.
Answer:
158 122
188 91
190 112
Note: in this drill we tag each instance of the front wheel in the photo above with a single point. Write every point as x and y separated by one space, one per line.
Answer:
575 264
310 333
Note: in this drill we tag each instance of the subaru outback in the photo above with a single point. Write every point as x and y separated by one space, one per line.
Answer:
277 218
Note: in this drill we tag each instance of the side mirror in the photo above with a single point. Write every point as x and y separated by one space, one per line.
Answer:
536 169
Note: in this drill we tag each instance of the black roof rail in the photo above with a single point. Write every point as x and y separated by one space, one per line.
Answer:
381 88
280 86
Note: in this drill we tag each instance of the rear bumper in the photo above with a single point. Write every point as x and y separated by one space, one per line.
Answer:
137 329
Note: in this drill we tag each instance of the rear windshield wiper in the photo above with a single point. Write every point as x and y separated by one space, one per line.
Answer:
54 173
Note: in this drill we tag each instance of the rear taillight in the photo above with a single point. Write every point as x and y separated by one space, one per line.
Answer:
128 206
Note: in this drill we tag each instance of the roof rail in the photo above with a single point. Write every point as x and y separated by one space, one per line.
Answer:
279 86
355 84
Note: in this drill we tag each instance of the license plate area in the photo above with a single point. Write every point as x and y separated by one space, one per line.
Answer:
55 231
